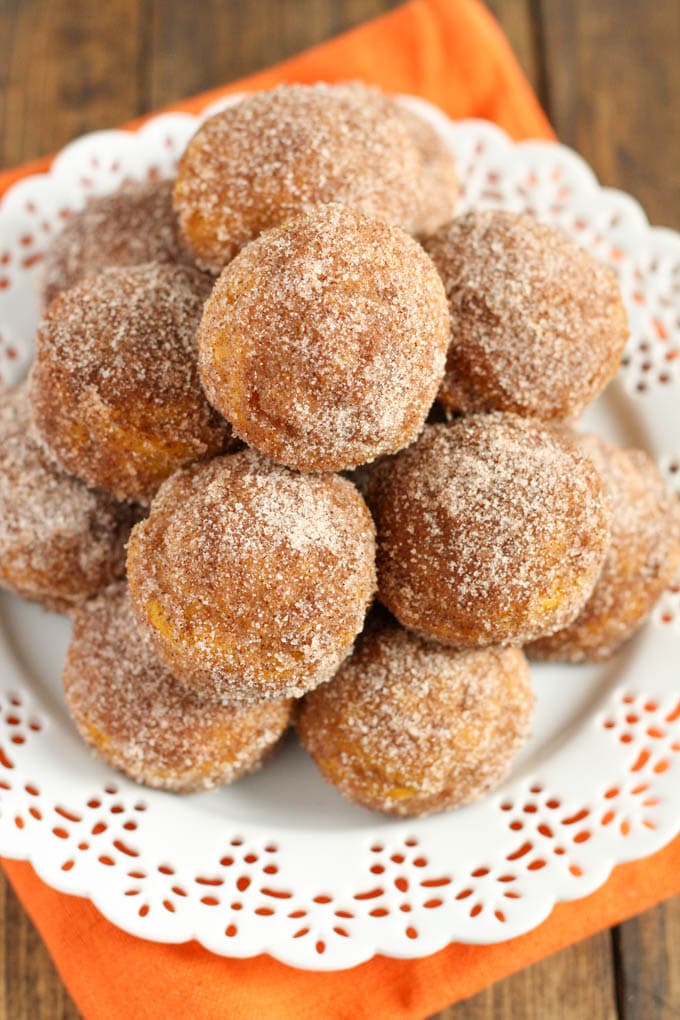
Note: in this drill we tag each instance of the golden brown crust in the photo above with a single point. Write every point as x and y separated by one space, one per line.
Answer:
139 719
538 324
275 154
253 580
642 558
323 342
132 225
491 530
115 388
409 727
60 542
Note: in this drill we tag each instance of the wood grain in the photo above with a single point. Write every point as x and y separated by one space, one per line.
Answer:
647 949
519 25
188 54
607 72
65 71
614 90
30 988
576 984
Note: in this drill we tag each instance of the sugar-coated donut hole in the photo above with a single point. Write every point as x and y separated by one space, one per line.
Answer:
641 560
115 388
60 542
440 181
296 556
538 324
491 530
140 719
275 154
409 727
323 342
132 225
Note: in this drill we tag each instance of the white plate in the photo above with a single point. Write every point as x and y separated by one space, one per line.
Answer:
279 863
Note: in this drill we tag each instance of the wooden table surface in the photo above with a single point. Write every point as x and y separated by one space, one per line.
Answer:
608 74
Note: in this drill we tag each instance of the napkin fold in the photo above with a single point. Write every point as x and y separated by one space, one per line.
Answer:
452 53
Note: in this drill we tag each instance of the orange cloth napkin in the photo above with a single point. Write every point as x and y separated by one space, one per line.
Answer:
453 54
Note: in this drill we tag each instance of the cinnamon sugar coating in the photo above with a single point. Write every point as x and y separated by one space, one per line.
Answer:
409 727
132 225
253 580
538 324
439 188
642 559
491 530
275 154
323 342
139 719
60 542
115 387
